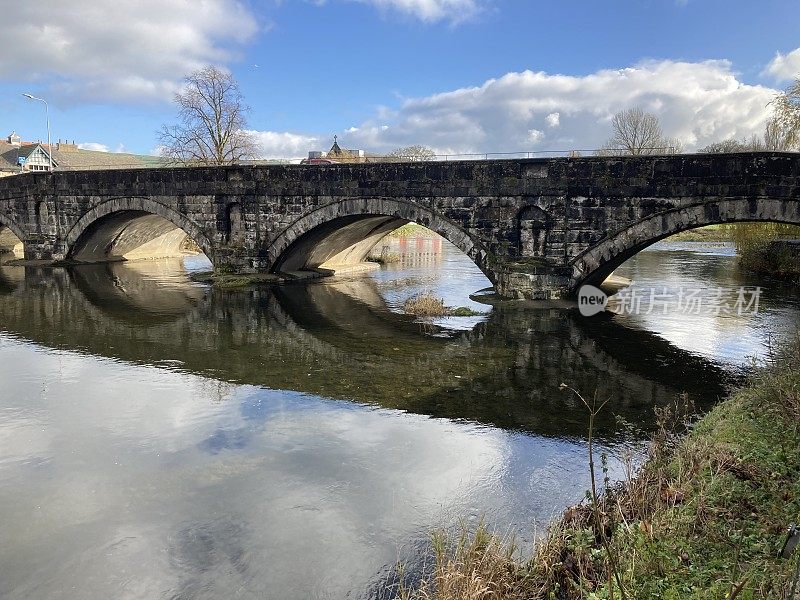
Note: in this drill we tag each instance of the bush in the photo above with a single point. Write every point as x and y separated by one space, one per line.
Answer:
758 253
425 305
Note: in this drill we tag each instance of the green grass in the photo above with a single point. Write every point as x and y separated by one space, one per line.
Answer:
710 233
229 281
463 311
702 519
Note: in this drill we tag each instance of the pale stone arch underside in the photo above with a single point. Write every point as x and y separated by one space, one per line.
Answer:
599 261
131 228
11 234
343 233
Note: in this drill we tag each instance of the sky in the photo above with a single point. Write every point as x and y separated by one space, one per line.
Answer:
454 75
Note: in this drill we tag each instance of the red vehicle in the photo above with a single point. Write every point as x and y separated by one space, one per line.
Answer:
318 161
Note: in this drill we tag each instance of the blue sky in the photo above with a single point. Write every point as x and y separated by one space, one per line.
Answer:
457 75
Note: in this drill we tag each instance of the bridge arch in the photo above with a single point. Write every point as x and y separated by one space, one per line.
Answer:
598 262
11 234
132 227
344 231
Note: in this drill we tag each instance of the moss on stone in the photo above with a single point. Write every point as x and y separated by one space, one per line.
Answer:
234 281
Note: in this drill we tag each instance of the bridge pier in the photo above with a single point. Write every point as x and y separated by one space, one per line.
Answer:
43 248
237 259
523 281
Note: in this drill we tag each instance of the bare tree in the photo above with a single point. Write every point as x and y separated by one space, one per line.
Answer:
413 153
776 138
638 132
780 136
212 122
786 126
754 144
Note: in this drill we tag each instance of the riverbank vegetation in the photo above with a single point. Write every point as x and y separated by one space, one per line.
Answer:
411 230
709 233
762 249
225 280
428 305
703 518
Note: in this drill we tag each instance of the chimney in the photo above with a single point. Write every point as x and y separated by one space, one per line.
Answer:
14 139
65 146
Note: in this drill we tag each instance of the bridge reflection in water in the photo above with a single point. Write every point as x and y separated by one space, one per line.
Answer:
339 339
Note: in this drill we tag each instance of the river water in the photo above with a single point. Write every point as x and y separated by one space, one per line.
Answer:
160 439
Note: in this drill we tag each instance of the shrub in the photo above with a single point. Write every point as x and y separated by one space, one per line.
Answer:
425 305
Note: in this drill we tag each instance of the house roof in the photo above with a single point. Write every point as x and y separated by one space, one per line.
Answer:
92 159
75 159
8 157
28 149
11 153
336 150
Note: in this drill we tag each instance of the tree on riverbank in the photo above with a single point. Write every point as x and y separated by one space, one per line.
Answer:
212 122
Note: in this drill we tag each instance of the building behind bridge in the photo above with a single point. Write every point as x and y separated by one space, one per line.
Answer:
17 157
337 154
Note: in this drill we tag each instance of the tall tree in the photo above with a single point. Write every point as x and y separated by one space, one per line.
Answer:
211 128
637 132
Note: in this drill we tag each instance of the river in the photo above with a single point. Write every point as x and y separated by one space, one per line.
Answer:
162 439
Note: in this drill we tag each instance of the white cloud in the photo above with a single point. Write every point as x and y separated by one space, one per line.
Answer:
534 135
699 103
429 11
282 144
553 119
94 146
785 66
124 51
98 147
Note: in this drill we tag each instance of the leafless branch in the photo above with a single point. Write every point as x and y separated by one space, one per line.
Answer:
212 122
637 132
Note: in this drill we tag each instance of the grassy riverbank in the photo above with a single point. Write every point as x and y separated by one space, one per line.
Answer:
703 518
710 233
411 230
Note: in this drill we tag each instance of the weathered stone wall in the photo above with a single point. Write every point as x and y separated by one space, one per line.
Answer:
540 227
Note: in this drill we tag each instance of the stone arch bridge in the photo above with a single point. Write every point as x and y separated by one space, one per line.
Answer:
538 228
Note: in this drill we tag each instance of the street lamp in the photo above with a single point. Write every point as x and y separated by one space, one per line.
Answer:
47 116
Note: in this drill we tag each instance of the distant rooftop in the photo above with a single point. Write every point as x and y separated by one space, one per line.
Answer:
67 156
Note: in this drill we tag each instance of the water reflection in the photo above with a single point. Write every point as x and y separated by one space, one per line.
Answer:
126 290
341 339
161 439
712 328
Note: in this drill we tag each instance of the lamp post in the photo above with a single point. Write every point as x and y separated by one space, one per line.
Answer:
47 117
